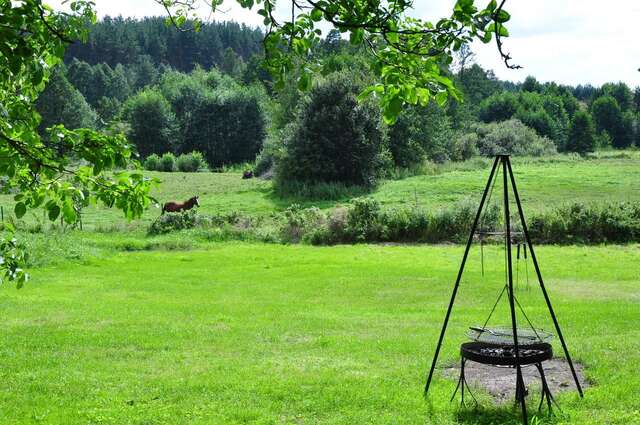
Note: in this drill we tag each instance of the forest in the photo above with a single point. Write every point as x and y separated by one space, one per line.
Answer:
175 92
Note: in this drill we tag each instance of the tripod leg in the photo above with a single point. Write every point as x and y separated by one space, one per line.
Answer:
457 284
462 384
460 379
540 281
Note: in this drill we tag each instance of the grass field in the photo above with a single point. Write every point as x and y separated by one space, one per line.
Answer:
543 183
265 334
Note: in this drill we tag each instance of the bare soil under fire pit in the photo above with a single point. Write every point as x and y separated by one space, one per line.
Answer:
500 382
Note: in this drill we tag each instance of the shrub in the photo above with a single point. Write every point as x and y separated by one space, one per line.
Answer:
406 224
300 222
167 162
511 137
335 138
364 222
579 223
190 162
152 162
167 223
463 147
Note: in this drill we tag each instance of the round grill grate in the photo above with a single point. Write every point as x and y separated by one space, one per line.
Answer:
504 335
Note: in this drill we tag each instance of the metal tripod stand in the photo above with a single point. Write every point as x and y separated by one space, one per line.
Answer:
504 162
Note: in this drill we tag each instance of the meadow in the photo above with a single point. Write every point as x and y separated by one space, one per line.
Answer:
259 333
543 182
119 327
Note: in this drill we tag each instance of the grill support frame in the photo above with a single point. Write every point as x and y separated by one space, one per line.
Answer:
505 163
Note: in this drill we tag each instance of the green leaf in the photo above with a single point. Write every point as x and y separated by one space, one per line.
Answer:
393 37
503 16
68 212
54 212
20 209
357 36
501 29
395 105
316 15
304 82
441 98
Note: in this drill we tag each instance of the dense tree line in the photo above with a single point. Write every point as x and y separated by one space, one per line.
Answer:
125 41
178 92
202 111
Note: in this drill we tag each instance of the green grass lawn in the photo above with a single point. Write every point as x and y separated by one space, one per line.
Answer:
543 183
266 334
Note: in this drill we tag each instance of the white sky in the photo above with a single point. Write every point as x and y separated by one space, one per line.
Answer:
567 41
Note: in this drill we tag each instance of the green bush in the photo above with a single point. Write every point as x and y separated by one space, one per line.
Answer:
167 162
578 223
464 147
300 222
406 225
190 162
421 132
152 162
335 138
167 223
511 137
364 221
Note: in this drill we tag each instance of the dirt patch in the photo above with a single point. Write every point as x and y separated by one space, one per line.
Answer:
500 382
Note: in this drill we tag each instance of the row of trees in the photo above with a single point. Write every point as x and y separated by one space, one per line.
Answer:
202 111
610 117
124 41
220 114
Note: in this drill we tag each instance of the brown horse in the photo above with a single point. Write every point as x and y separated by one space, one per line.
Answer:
180 206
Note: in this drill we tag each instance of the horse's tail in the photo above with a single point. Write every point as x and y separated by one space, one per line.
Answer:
164 206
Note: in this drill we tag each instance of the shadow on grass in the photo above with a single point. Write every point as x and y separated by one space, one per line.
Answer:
322 195
505 414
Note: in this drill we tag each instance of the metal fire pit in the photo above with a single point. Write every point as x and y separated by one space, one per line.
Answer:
505 354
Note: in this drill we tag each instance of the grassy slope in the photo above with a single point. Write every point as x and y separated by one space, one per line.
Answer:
542 183
246 333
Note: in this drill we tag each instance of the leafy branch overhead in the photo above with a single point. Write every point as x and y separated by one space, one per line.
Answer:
40 169
410 55
43 170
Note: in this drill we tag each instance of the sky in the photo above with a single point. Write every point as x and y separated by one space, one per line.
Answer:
567 41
